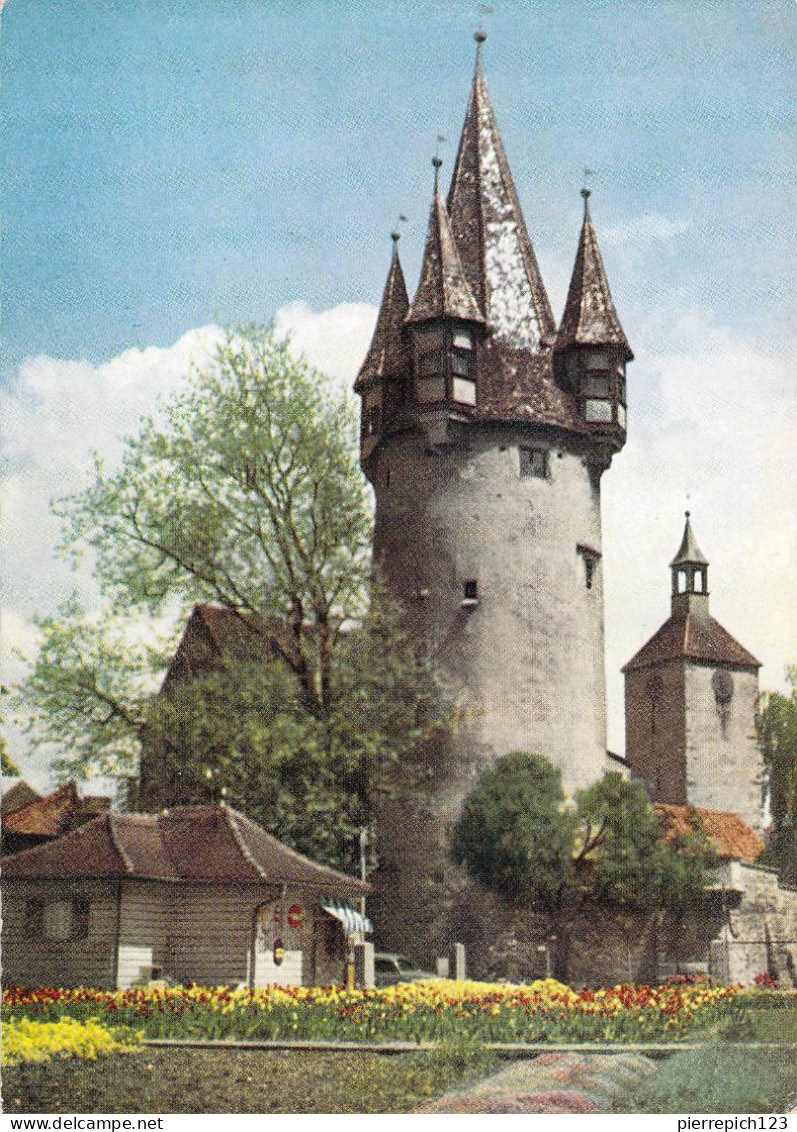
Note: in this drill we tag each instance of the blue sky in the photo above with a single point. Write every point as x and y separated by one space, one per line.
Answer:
174 166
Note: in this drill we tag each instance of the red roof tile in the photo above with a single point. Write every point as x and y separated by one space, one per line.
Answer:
185 843
730 836
44 817
692 638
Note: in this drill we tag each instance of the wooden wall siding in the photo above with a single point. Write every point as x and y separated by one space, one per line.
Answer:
68 963
146 910
211 932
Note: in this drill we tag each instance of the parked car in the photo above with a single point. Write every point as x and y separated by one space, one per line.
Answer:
389 968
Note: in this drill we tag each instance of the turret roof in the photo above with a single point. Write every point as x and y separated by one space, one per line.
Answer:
387 354
689 552
488 225
443 290
589 317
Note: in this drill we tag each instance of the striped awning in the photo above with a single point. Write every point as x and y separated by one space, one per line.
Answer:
354 922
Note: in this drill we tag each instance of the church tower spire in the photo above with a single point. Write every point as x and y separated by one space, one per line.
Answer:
488 225
689 577
591 348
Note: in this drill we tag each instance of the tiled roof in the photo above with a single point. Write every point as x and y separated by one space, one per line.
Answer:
15 793
488 226
214 631
589 317
443 290
388 355
730 836
185 843
518 385
693 637
44 817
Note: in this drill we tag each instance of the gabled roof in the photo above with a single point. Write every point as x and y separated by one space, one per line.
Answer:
387 355
589 317
214 632
185 843
730 836
488 225
689 552
692 637
15 792
443 290
44 817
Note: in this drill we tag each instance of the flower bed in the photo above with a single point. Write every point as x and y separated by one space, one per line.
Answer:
433 1011
28 1041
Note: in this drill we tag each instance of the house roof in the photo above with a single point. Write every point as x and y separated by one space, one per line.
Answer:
181 844
443 290
488 226
692 637
44 817
730 836
387 355
15 792
589 317
214 631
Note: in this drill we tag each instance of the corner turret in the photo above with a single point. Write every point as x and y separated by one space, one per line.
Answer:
591 349
382 378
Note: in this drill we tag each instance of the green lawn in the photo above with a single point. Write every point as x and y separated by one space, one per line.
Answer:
718 1080
242 1081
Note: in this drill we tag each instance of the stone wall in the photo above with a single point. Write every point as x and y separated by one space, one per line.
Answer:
723 760
654 729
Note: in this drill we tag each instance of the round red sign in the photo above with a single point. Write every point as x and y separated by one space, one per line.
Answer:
294 916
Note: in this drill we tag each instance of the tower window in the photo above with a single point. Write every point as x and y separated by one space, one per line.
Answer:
598 411
621 418
461 364
597 386
433 362
470 593
598 360
590 558
534 462
464 391
463 340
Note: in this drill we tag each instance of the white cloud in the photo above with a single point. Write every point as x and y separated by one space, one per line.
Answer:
651 227
711 427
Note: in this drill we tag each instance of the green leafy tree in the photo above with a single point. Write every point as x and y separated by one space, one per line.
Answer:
517 835
777 730
244 491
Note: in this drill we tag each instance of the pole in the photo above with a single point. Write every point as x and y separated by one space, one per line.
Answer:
363 846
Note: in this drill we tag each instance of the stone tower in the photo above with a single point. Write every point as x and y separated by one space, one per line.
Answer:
485 433
690 703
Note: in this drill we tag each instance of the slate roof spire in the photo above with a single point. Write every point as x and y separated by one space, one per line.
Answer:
387 354
589 318
488 225
443 290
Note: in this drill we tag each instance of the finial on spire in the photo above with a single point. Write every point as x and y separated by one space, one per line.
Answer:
436 163
687 513
480 37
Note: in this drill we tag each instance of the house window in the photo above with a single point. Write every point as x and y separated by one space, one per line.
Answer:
534 462
59 920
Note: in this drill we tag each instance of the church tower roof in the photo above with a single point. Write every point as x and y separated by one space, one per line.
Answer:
387 354
589 318
443 290
488 225
689 552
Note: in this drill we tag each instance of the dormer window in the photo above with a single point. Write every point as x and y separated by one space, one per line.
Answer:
445 365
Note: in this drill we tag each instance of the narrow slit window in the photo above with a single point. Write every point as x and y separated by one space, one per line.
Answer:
470 593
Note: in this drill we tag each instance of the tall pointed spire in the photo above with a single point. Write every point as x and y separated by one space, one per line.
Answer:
443 289
387 354
589 318
490 231
689 553
689 577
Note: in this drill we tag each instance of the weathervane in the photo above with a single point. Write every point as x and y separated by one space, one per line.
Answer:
395 235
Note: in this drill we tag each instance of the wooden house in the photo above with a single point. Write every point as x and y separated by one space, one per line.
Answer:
194 894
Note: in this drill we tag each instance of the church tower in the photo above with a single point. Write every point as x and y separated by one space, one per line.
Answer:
485 433
690 702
